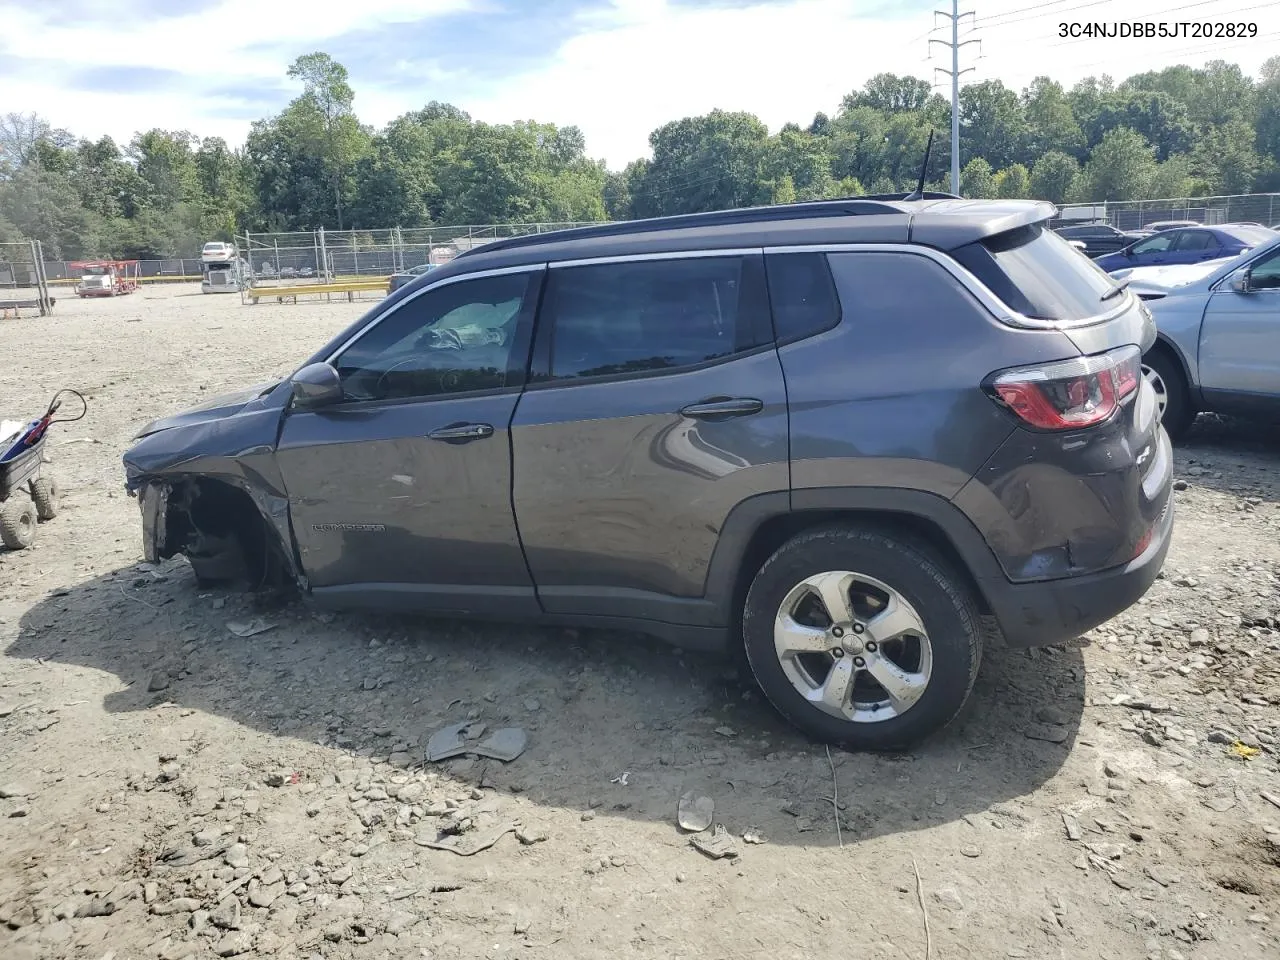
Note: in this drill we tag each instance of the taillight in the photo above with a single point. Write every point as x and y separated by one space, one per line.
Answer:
1070 394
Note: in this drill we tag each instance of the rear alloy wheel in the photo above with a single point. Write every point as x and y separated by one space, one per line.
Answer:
862 639
1158 386
1173 398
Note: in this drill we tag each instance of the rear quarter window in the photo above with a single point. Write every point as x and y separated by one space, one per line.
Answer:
801 294
1037 273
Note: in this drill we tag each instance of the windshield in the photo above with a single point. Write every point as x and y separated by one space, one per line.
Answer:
1039 274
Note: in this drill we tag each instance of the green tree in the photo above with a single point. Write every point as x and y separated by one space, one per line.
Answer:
1053 177
328 121
1051 124
1121 167
890 93
1013 183
1226 159
992 124
977 181
1173 178
712 162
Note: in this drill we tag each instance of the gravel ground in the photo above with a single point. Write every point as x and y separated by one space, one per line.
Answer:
170 789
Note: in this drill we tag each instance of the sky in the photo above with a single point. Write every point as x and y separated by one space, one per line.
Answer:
616 68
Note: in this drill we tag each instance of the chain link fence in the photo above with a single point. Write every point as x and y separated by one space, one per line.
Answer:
24 287
1260 208
328 256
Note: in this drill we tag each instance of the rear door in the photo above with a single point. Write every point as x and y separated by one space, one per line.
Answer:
656 405
403 490
1240 340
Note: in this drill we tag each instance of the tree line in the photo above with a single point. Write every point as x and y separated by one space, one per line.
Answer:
1169 133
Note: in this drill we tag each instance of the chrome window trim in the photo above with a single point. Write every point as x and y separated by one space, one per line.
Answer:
980 291
664 255
443 282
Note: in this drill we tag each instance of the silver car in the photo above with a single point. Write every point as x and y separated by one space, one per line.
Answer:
1218 342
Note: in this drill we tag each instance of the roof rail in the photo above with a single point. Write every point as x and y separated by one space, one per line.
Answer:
850 207
927 195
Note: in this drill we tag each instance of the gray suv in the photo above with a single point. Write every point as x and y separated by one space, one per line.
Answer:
846 437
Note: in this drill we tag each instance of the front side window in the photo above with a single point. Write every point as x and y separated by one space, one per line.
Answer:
1265 274
455 338
1157 244
618 318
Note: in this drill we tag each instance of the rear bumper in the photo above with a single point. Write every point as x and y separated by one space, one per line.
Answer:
1052 611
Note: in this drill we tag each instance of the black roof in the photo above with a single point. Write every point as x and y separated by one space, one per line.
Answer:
937 220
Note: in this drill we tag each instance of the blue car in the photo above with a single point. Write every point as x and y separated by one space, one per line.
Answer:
1187 245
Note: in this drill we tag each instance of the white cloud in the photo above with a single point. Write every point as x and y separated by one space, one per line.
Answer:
639 65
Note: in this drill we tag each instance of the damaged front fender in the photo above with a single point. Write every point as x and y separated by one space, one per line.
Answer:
204 482
153 501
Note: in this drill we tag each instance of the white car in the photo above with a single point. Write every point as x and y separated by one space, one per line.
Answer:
1159 279
217 251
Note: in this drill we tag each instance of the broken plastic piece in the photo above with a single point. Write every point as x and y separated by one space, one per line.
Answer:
250 628
718 845
447 743
754 835
505 744
695 813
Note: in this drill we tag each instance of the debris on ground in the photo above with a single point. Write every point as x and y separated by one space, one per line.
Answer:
695 813
249 628
717 845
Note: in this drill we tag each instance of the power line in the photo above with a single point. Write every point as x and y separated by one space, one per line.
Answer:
1199 49
1010 13
1057 13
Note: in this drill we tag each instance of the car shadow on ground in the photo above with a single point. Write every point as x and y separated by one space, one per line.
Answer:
1231 456
616 722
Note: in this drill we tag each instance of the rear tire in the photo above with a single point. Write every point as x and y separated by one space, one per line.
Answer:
18 523
1159 366
928 628
46 493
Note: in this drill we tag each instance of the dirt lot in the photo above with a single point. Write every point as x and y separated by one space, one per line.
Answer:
169 789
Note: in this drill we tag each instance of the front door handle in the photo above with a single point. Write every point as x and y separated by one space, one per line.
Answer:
723 408
461 432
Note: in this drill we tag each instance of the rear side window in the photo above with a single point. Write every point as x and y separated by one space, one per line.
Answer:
620 318
802 294
1039 274
1195 240
885 292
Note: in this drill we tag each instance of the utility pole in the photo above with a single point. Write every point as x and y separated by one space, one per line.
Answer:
954 73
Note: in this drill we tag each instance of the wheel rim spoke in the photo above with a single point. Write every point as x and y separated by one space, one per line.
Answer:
898 619
902 687
833 695
833 591
791 637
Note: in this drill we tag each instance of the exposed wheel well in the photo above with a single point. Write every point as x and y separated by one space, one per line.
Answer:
776 531
222 532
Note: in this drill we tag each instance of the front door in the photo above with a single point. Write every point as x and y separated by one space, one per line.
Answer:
1240 341
655 406
402 492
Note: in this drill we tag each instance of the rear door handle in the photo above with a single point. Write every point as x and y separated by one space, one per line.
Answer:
723 408
461 432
